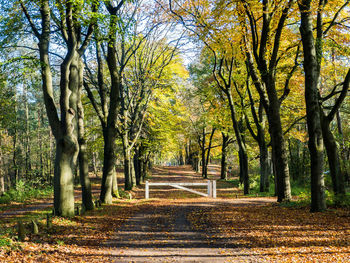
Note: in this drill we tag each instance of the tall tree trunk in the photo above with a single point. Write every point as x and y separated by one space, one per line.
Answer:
40 142
202 146
144 168
242 152
108 172
15 174
264 167
132 171
207 158
187 153
51 158
94 163
333 157
127 170
312 82
115 190
181 157
223 172
28 165
137 165
67 145
83 159
280 149
197 163
345 161
64 176
110 127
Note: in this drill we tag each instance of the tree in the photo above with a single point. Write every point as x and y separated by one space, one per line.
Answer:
318 122
66 128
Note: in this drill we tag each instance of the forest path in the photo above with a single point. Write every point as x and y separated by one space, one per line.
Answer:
165 231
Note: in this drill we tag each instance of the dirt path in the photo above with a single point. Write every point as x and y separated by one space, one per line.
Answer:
163 232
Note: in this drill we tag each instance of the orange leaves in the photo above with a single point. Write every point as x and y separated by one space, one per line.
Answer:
291 235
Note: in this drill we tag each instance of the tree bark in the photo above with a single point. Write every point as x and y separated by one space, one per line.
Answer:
345 162
127 170
108 172
280 150
109 129
263 73
312 82
137 165
64 176
223 172
83 160
242 152
264 168
28 163
333 157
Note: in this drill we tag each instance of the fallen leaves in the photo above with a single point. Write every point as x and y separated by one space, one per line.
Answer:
251 229
277 233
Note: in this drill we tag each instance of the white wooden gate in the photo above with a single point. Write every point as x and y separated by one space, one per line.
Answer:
211 187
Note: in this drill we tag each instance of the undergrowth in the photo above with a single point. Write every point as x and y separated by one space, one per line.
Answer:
25 191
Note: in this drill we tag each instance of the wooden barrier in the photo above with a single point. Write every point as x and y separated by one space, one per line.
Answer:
211 188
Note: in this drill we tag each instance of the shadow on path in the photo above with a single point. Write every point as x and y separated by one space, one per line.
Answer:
164 234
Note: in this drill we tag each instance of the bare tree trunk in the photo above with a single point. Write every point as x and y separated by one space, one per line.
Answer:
137 165
64 177
242 152
28 164
345 161
127 170
83 159
312 82
264 168
94 163
14 177
50 160
280 151
40 142
223 172
132 172
108 165
333 157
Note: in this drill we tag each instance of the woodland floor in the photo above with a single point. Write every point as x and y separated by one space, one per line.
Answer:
177 226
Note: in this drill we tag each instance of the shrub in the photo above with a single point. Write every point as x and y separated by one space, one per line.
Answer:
5 199
25 191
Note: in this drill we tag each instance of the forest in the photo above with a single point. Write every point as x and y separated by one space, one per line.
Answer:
96 97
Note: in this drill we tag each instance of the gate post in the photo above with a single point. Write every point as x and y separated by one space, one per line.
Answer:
214 189
209 189
147 190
